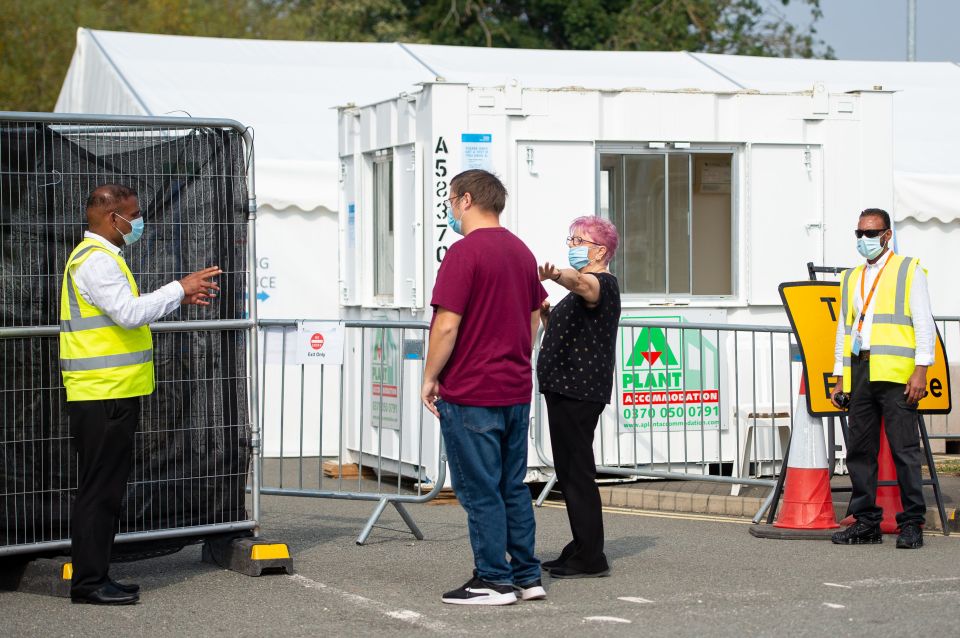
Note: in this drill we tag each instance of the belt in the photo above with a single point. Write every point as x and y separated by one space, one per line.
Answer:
864 355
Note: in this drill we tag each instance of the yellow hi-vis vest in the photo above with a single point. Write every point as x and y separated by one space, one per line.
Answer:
892 341
98 358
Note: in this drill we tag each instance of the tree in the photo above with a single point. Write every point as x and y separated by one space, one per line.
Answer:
339 21
747 27
37 37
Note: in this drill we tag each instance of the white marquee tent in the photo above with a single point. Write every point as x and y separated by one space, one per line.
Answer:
287 92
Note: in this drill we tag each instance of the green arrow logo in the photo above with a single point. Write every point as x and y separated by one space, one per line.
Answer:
651 346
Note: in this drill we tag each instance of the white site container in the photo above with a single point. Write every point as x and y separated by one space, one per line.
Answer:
761 184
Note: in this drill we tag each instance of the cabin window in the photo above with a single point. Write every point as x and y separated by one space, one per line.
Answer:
383 257
674 213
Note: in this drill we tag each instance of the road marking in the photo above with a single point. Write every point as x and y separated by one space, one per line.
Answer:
838 585
834 606
675 515
634 599
883 582
404 615
607 619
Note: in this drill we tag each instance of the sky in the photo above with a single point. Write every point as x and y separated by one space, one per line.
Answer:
877 29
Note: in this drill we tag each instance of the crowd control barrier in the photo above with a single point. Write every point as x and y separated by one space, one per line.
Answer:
694 401
198 437
341 413
709 402
342 416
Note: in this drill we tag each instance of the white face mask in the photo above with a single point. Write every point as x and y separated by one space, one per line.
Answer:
870 247
456 225
579 257
136 230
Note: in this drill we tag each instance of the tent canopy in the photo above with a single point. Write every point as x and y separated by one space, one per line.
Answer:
287 92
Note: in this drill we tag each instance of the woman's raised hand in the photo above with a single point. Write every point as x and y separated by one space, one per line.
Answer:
548 271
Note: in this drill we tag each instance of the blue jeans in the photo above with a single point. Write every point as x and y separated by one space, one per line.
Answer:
487 452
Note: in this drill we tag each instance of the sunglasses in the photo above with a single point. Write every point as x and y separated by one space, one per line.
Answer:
870 233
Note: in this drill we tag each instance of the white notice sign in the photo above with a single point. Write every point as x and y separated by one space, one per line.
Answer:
320 342
476 151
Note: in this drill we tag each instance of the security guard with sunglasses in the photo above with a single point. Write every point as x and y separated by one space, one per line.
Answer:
885 342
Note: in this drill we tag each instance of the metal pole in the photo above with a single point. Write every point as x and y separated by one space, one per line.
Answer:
911 30
934 479
253 383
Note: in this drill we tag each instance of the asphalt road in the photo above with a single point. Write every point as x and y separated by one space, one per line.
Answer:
677 575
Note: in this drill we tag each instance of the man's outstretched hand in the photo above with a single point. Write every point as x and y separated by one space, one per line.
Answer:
199 287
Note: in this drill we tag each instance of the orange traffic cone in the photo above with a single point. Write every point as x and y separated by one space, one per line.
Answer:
888 496
807 500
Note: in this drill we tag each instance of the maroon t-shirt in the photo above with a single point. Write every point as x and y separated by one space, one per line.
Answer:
490 279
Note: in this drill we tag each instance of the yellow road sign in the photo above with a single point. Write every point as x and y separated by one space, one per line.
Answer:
814 310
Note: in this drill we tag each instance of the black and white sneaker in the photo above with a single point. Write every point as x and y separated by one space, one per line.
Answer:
531 591
480 592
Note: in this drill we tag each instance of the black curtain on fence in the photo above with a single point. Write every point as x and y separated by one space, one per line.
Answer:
193 445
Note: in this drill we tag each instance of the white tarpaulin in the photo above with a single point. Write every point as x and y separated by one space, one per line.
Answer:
923 195
543 68
926 131
287 91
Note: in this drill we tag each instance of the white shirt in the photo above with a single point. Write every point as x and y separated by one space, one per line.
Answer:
102 284
923 327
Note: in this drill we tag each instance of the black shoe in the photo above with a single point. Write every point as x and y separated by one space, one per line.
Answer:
106 595
480 592
859 534
131 588
570 572
531 591
551 564
911 536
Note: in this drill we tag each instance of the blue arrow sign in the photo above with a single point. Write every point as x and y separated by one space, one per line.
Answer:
262 296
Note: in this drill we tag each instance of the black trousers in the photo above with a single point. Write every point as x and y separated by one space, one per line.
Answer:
103 434
869 402
572 423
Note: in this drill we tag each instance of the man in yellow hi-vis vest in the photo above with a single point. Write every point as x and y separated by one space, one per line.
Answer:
106 358
885 342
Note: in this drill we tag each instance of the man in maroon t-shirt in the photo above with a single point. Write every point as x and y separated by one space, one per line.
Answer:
477 380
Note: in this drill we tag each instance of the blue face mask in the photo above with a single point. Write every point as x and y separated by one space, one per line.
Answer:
136 230
578 257
454 223
869 247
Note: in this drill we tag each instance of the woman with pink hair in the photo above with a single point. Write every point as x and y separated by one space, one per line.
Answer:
575 372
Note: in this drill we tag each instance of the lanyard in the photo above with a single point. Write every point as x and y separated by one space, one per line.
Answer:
869 298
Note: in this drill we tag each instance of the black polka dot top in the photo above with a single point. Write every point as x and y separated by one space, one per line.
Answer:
578 351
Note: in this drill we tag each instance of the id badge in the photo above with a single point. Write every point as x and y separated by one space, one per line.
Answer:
857 341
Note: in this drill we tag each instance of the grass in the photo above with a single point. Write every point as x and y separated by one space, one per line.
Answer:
949 467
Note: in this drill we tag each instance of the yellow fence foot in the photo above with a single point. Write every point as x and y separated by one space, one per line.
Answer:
250 556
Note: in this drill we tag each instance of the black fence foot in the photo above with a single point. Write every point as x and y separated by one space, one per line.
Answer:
43 576
250 556
780 533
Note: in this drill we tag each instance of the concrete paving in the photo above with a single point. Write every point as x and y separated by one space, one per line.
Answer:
715 498
673 574
701 497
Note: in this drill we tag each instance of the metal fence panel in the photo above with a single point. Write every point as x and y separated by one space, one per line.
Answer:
757 382
197 432
706 402
354 429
